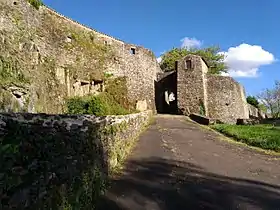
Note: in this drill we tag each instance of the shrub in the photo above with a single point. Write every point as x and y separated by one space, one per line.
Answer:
253 101
118 89
77 105
35 3
105 104
113 101
99 105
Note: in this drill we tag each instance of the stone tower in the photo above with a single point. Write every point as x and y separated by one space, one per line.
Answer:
191 85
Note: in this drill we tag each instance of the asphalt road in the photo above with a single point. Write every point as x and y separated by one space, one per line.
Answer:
177 165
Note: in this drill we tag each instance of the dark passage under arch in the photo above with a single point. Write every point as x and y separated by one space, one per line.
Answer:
166 87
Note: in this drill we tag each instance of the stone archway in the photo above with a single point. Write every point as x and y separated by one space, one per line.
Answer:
166 93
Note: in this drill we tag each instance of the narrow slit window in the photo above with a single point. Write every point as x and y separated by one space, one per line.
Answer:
188 64
106 42
83 83
132 51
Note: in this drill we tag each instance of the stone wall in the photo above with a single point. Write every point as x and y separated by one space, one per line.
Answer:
255 112
191 85
214 96
52 159
58 58
226 99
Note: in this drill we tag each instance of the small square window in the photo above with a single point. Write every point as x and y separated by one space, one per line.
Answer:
188 64
132 51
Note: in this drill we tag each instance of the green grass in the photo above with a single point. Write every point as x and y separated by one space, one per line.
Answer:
263 136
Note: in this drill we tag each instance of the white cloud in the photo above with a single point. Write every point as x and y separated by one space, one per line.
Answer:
245 60
159 59
190 42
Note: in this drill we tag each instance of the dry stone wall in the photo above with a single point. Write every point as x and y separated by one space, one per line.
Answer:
48 160
60 58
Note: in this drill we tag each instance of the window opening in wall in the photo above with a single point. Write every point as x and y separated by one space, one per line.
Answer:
188 64
83 83
132 51
15 3
68 39
106 42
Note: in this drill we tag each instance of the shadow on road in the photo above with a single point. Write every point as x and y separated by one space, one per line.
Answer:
172 185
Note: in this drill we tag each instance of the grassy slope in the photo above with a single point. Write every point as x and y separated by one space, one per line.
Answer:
263 136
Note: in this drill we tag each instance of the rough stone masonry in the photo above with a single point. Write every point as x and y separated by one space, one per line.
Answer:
52 57
61 58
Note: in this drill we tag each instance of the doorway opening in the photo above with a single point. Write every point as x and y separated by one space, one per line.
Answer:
166 93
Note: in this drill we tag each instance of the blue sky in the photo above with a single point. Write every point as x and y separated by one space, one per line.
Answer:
246 30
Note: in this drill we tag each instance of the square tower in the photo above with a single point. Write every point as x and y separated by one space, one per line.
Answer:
191 85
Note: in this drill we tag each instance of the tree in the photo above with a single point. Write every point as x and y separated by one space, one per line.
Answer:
214 59
253 101
271 99
262 107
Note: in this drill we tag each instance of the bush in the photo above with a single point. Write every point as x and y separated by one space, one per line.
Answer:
253 101
113 101
105 104
99 105
118 89
77 105
35 3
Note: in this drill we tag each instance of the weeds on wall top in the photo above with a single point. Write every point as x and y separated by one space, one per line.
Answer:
36 3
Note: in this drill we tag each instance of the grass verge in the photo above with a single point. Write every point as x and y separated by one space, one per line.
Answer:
229 139
262 136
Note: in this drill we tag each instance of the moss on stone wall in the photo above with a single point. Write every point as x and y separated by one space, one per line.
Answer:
88 53
33 36
63 172
7 102
35 48
11 77
61 162
10 72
